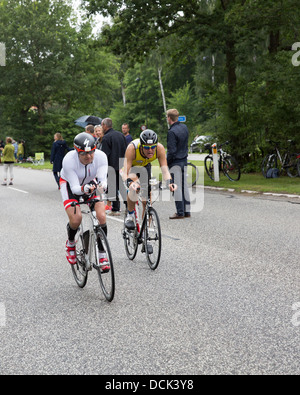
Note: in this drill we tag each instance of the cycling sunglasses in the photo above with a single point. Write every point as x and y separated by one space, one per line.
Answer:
147 147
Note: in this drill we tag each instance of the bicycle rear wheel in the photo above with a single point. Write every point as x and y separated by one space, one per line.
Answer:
79 269
292 165
209 166
152 239
107 280
231 169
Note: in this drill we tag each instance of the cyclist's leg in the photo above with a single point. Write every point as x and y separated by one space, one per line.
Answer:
100 212
132 198
101 216
75 218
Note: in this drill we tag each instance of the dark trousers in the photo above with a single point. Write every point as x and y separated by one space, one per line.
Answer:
178 172
115 187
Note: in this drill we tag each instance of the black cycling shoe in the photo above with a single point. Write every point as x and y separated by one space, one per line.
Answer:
129 222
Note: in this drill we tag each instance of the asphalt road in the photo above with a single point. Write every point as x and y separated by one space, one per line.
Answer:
221 301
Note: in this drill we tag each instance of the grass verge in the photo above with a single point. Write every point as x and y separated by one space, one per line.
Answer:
253 182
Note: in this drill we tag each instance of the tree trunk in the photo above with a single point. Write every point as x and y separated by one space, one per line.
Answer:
274 42
231 77
162 90
123 94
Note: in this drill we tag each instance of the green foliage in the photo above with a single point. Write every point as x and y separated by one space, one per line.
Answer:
53 66
225 64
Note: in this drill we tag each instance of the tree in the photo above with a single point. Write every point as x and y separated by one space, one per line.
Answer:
52 66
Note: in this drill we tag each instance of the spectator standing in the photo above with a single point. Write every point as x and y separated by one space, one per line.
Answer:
1 147
99 135
15 144
21 151
114 146
127 135
58 151
90 129
9 160
177 145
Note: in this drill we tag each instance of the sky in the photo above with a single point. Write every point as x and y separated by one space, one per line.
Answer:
99 19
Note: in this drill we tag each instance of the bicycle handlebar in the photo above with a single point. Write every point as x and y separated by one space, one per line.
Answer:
74 204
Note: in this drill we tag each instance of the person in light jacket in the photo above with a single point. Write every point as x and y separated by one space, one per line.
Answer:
9 160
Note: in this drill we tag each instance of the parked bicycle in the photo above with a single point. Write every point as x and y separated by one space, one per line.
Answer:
288 161
147 233
89 238
227 164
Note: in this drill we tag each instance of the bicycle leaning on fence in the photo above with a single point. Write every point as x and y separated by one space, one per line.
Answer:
288 162
147 233
227 164
89 239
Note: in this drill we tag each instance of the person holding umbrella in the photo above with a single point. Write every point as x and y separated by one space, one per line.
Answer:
88 120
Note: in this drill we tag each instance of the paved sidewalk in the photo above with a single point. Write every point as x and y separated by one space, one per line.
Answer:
286 195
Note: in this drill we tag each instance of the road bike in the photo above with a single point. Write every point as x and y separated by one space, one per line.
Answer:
146 233
288 162
89 236
227 164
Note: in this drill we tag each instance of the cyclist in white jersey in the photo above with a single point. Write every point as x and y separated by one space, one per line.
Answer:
83 169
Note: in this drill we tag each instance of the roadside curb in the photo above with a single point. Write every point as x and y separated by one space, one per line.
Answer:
244 191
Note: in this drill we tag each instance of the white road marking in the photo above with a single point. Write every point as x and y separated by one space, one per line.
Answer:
18 190
2 315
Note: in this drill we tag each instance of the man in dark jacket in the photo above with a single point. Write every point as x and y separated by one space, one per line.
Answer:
114 146
177 146
58 151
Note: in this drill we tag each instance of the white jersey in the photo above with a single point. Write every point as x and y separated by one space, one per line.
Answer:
76 174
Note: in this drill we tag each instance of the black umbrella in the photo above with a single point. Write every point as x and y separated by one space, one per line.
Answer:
88 120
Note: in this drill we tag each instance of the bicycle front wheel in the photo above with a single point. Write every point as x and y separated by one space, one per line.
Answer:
106 279
231 169
79 269
152 239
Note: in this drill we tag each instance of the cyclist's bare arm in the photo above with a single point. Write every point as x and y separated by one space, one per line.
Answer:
129 158
162 159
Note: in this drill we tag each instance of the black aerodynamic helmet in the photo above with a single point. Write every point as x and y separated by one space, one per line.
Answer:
84 142
148 136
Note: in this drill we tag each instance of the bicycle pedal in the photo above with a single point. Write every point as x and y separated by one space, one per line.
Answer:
149 249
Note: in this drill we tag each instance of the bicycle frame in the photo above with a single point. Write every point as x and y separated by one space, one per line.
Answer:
141 228
88 251
88 242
